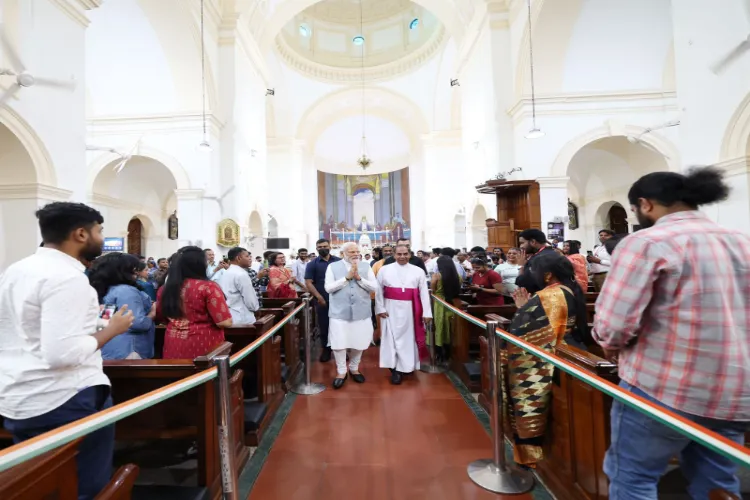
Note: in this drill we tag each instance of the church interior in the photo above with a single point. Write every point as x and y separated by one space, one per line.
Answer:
272 124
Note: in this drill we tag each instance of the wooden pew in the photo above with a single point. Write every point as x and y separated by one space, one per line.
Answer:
54 475
190 415
291 342
465 347
266 363
578 430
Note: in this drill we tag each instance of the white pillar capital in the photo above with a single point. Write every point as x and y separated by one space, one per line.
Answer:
553 182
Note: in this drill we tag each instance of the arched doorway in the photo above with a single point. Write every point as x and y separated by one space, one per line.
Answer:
136 202
18 222
617 219
255 238
479 227
273 227
135 236
601 173
459 230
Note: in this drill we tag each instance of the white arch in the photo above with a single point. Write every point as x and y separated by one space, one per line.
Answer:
43 166
654 140
736 143
445 10
181 178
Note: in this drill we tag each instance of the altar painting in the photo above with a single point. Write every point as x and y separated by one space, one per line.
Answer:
371 210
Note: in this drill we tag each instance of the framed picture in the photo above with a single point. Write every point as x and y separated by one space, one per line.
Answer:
572 216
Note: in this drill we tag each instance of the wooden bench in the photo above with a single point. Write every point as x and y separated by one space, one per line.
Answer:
265 363
292 364
189 415
54 475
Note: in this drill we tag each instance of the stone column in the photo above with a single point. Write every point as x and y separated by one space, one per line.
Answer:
553 198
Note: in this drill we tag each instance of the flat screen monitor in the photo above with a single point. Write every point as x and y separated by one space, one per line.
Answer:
277 243
114 245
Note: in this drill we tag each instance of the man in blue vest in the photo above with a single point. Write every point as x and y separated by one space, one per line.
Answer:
349 283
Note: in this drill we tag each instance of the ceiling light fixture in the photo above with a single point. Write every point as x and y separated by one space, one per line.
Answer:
358 40
204 146
414 24
535 132
363 161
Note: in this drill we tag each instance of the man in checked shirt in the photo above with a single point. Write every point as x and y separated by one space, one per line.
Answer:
675 311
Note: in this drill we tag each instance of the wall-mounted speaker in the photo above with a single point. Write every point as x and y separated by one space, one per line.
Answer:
277 244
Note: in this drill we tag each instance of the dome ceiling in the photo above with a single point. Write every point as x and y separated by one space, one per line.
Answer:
327 41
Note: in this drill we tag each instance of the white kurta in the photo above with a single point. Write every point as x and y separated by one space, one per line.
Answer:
343 334
398 345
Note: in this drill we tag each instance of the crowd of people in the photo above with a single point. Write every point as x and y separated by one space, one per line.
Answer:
673 312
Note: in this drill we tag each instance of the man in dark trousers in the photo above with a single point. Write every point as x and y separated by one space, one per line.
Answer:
315 279
532 243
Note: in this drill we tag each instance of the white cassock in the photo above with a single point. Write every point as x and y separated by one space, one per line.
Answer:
398 345
344 334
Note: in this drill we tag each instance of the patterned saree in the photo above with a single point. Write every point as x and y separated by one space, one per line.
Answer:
526 381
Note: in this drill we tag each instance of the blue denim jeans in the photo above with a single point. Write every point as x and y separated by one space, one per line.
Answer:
95 453
642 447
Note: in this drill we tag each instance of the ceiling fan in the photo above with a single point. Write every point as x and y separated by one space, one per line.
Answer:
23 79
637 139
123 158
744 46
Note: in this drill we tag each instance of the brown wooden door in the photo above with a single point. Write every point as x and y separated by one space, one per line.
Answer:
618 220
135 236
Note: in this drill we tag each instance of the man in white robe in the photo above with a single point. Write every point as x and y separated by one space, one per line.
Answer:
236 284
403 304
349 283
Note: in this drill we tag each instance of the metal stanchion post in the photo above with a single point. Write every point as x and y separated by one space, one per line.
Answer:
432 367
307 388
495 474
229 483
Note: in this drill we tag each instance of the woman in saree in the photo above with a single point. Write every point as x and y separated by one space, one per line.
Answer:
554 316
280 279
446 284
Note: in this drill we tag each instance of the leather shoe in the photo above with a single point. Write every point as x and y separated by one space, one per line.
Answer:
358 378
325 356
396 377
338 383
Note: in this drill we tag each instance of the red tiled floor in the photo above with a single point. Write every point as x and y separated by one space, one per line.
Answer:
376 441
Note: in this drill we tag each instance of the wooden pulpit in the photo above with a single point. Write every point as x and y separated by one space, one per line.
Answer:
518 208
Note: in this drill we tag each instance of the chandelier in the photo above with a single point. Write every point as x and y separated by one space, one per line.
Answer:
363 161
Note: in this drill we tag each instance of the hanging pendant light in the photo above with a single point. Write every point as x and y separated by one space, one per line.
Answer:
204 146
363 161
535 132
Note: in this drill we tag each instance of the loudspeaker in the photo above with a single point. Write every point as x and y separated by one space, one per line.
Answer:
277 243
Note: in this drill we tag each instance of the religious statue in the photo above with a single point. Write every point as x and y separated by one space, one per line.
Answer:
228 233
398 219
363 224
172 226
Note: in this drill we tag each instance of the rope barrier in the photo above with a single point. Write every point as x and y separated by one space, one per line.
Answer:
716 442
43 443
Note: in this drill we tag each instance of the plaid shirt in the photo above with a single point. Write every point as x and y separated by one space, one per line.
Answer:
677 304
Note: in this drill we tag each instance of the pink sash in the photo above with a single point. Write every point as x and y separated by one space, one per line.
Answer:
411 295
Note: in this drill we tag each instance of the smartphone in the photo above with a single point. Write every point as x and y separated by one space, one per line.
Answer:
107 312
589 253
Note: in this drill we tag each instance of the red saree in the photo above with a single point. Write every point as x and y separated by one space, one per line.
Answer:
278 284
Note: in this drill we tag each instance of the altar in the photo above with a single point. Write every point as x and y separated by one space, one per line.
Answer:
370 210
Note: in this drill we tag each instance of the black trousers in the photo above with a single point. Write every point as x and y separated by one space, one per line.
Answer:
94 459
322 313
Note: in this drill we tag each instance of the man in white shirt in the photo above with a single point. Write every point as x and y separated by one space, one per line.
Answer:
238 287
214 270
298 268
600 261
258 264
50 360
